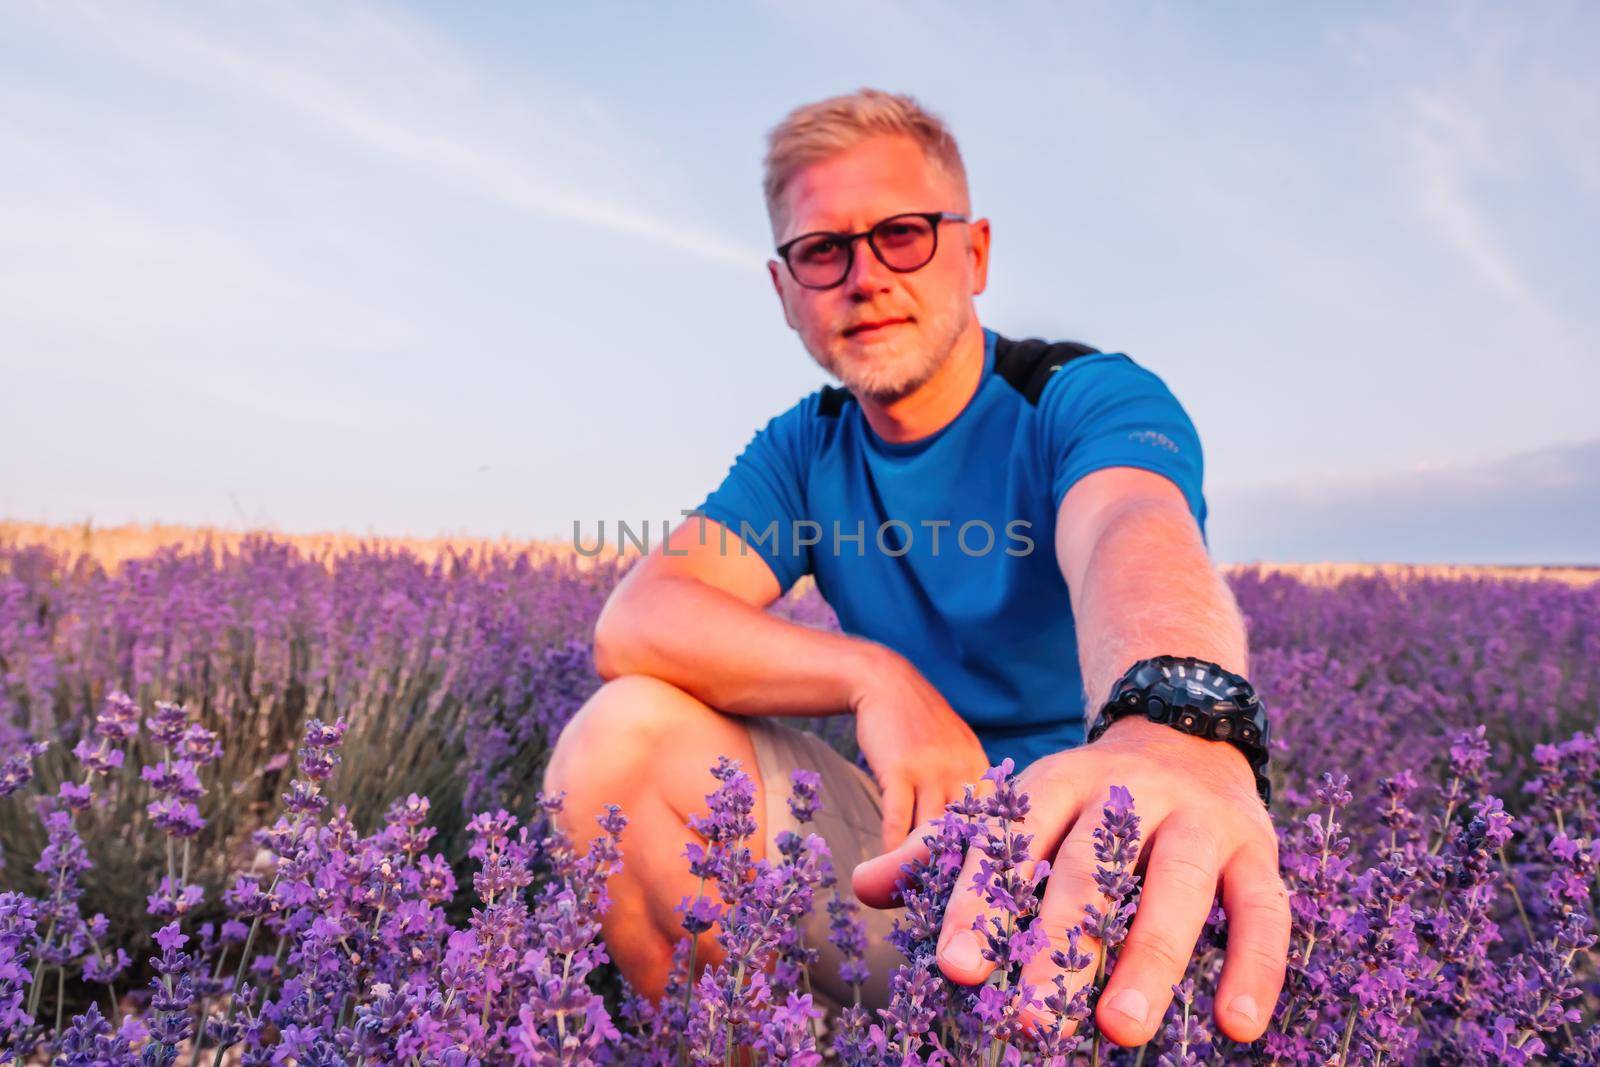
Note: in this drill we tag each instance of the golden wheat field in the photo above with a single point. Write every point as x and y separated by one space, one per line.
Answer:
110 545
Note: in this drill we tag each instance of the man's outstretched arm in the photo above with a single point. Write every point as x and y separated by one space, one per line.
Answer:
1141 580
1142 584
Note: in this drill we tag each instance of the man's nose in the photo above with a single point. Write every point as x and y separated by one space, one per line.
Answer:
867 274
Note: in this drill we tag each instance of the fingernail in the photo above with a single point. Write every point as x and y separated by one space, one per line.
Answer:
1244 1006
963 951
1132 1003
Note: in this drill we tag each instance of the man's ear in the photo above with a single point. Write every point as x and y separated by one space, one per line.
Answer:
777 285
978 230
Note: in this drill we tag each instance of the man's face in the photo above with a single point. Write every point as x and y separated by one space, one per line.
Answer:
924 312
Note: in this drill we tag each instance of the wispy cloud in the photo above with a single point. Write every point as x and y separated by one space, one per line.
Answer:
1492 106
370 80
1450 144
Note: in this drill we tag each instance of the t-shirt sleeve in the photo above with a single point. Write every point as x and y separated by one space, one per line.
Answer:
1104 410
763 496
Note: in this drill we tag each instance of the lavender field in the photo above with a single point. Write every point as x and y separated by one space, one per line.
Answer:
264 805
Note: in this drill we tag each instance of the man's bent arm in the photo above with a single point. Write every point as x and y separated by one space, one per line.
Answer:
698 621
1143 584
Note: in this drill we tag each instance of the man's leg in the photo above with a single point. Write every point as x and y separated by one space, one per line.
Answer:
849 818
648 747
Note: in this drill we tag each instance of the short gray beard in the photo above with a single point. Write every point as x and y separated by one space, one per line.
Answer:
945 330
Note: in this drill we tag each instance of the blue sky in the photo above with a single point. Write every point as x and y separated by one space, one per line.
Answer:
489 269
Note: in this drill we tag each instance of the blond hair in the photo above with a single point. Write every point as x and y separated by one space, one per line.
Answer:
815 131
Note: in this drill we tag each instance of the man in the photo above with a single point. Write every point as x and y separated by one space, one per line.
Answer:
959 649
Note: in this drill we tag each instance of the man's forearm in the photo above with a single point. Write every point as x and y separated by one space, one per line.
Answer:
733 656
1150 590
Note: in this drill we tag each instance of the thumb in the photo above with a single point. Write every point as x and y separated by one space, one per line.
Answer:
874 880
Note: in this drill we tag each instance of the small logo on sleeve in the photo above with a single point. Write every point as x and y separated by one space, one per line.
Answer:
1151 437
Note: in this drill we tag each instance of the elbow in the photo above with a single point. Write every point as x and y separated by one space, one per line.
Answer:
610 639
628 631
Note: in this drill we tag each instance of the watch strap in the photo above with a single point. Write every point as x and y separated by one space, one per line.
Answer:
1156 689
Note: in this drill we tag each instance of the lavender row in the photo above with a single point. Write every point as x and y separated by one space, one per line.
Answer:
183 861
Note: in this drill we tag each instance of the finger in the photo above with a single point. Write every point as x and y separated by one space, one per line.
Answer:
968 914
874 880
933 799
1180 884
1070 889
927 805
950 797
897 807
1257 904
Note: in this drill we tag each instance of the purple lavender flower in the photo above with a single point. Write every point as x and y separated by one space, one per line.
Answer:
1189 1042
18 927
199 745
16 770
1063 1031
1008 881
174 778
561 1020
175 785
319 754
763 900
74 797
97 757
1116 848
804 794
62 861
787 1036
176 818
167 723
172 994
118 720
90 1042
927 884
848 934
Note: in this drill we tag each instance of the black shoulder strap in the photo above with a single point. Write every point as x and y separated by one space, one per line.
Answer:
832 402
1027 365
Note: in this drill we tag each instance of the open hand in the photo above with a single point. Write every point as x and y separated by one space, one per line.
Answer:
1204 824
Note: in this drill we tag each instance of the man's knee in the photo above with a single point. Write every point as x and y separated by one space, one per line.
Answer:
610 739
639 736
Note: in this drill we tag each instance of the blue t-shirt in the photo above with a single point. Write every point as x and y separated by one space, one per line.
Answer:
943 548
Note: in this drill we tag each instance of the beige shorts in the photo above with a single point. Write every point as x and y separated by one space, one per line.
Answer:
850 819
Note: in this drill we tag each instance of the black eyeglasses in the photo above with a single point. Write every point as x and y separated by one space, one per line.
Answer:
903 243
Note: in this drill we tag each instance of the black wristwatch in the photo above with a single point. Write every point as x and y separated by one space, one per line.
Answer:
1199 698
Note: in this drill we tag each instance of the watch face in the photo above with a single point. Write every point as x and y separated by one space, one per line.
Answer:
1202 682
